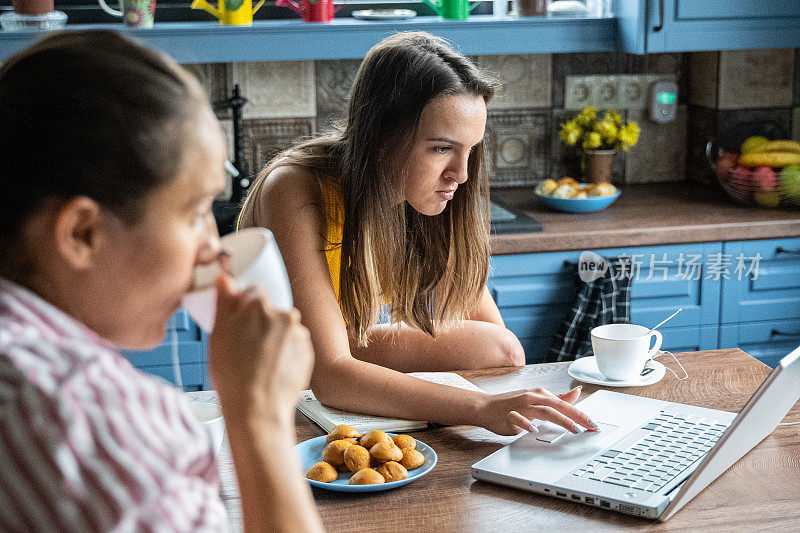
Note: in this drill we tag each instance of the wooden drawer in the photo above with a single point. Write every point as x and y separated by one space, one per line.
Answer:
535 291
188 352
683 339
772 292
766 341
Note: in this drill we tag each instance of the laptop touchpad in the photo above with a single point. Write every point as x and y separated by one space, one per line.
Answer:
550 433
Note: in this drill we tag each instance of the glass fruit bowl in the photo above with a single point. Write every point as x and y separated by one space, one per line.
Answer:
763 186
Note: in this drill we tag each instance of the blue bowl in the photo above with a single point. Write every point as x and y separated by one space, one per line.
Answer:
579 205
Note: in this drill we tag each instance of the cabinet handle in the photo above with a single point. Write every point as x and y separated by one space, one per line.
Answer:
660 25
777 333
782 250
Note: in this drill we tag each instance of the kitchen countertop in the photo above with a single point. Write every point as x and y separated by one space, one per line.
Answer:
643 215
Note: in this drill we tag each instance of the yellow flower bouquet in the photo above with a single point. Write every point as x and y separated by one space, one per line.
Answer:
610 133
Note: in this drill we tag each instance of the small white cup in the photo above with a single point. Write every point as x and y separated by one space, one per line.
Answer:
254 260
211 416
621 350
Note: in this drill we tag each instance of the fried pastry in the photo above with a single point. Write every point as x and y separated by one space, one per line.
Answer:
367 476
322 471
356 458
342 431
370 439
392 471
546 187
333 453
404 441
386 451
412 458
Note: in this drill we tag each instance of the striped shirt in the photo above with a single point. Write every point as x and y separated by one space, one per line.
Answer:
89 443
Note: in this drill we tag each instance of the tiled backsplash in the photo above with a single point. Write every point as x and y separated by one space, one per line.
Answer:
719 91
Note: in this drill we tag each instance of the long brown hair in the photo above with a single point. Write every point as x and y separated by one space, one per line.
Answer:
431 268
87 113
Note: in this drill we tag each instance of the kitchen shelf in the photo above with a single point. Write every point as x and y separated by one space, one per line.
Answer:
347 38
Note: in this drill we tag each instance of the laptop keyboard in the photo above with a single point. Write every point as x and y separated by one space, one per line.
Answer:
672 443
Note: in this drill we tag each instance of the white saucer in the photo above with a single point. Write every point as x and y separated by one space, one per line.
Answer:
585 369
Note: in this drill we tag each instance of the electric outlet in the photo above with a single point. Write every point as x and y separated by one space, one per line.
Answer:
578 92
606 94
634 92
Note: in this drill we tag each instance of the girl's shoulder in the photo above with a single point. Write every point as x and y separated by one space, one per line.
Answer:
281 190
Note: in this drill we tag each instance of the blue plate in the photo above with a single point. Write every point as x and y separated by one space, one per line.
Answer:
310 452
579 205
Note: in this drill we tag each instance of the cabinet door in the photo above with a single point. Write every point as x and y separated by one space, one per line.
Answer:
688 25
766 341
192 347
771 290
534 292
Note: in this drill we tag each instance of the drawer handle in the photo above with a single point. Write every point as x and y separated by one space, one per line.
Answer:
660 24
782 250
778 333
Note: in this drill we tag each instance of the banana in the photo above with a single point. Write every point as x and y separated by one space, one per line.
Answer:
779 146
769 159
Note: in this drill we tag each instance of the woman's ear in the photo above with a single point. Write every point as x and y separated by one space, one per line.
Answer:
77 227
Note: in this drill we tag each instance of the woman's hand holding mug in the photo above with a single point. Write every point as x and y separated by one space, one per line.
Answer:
260 358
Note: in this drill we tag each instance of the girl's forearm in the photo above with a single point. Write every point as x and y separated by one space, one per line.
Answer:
469 345
367 388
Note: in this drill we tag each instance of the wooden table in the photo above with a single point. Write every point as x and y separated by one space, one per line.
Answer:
760 492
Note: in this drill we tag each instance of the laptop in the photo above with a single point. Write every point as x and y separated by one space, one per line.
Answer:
650 456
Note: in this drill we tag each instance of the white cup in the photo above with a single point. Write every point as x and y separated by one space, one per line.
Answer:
621 350
254 260
211 416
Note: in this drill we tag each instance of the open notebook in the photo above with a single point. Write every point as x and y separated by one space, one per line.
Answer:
328 418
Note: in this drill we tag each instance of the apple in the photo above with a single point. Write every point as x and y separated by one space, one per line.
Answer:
790 181
765 178
727 162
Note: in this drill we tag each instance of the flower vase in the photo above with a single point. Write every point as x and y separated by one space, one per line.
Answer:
598 165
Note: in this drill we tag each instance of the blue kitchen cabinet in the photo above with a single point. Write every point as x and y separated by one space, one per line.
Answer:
534 293
760 310
766 341
647 26
769 292
192 349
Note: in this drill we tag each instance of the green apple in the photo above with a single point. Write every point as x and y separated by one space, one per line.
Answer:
790 182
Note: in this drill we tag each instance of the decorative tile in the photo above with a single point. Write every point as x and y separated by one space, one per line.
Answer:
212 76
701 126
334 81
703 78
264 138
525 80
276 89
660 154
583 64
654 63
796 97
518 146
796 124
756 78
733 127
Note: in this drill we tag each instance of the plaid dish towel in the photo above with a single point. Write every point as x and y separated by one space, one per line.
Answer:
605 300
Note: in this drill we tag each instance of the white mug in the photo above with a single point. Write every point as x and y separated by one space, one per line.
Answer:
254 259
621 350
211 416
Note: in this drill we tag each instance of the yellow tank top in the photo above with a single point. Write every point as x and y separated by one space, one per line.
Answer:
333 205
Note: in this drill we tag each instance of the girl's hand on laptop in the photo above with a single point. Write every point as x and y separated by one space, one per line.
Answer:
512 413
260 358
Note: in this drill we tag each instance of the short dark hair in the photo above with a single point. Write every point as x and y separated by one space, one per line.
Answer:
88 113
